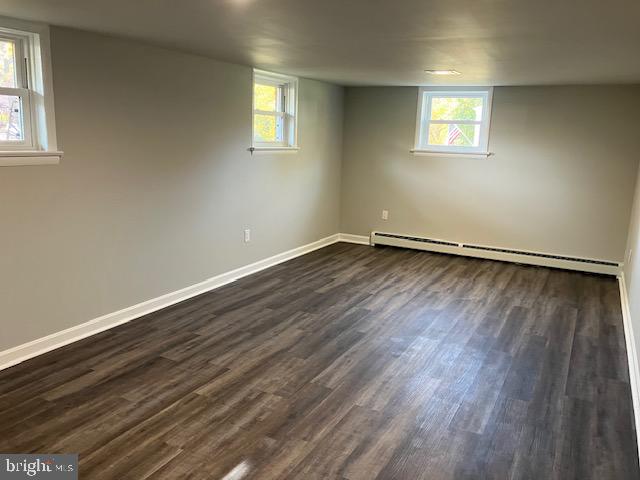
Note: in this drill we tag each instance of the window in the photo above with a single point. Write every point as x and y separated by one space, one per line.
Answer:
453 120
27 130
274 111
15 105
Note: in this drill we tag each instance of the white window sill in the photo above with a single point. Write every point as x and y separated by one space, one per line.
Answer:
273 149
433 153
29 157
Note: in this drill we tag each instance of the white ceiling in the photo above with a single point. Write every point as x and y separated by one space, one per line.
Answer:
380 42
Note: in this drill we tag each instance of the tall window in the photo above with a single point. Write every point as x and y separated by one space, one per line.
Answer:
274 110
453 121
27 128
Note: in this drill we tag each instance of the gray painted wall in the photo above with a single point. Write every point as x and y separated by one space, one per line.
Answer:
156 185
632 269
561 180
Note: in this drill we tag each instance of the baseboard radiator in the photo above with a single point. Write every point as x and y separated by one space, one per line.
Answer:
495 253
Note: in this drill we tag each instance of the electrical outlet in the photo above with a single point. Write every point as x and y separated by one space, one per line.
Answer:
385 214
247 235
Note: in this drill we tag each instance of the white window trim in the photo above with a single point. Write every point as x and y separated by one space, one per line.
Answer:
42 147
290 114
423 119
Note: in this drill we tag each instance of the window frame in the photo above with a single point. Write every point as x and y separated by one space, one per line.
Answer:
423 119
35 87
288 103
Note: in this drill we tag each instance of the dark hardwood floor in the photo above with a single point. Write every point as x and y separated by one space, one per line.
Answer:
348 363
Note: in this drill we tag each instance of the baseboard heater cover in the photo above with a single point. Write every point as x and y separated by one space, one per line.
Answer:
415 239
542 255
496 253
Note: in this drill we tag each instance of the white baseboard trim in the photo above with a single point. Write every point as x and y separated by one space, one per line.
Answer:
359 239
632 354
42 345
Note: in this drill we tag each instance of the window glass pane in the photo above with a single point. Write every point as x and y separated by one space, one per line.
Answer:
454 108
7 64
11 128
266 97
267 128
452 134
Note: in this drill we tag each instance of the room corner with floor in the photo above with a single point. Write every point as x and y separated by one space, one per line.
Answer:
332 240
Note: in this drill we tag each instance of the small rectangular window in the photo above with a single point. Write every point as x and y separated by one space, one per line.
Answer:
15 99
453 120
27 118
274 110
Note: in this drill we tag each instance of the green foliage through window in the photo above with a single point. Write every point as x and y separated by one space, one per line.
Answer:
450 109
267 127
265 97
456 108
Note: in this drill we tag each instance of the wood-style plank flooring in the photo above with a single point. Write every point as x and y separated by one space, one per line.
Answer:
348 363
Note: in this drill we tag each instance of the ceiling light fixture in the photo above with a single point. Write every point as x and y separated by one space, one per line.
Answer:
442 72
